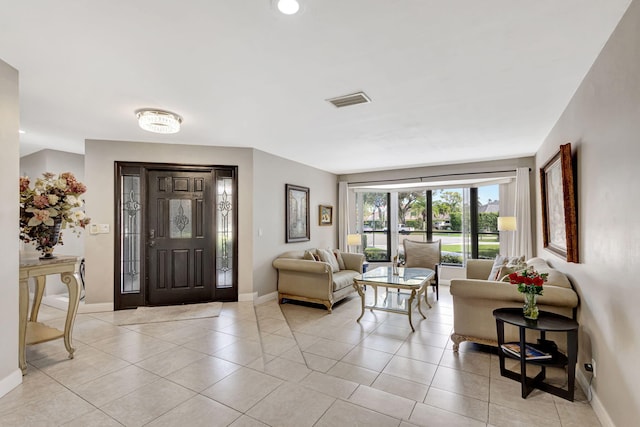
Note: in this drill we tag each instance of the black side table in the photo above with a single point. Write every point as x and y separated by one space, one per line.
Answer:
547 322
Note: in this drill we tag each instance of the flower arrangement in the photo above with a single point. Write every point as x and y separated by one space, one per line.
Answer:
53 201
528 280
529 283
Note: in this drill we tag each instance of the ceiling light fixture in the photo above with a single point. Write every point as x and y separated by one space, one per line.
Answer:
288 7
158 121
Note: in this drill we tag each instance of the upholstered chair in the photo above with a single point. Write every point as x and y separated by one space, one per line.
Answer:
425 255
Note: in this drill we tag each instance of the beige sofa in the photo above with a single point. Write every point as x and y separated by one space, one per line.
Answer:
475 298
316 281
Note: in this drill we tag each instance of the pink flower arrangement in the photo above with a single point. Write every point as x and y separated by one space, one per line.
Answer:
528 280
52 200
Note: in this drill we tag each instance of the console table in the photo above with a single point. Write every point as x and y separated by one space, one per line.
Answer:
30 330
547 322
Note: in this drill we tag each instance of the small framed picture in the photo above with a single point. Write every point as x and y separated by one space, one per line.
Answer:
325 215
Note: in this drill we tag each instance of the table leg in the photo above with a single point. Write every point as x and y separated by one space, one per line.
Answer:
358 288
501 356
41 282
419 305
375 296
572 356
71 280
523 364
426 299
409 305
22 324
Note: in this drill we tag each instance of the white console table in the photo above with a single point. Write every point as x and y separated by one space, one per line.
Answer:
30 330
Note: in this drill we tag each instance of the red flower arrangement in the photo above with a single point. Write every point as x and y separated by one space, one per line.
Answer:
528 280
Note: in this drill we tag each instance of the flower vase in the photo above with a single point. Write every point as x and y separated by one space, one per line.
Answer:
49 239
530 309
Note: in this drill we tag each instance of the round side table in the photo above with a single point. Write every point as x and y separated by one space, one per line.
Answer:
546 322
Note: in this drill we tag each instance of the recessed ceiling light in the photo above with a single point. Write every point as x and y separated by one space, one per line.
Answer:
288 7
158 121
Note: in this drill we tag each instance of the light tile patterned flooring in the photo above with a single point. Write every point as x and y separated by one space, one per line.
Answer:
289 365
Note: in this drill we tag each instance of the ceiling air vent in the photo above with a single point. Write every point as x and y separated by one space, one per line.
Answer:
352 99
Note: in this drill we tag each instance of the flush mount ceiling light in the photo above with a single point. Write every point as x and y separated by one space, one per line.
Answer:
158 121
288 7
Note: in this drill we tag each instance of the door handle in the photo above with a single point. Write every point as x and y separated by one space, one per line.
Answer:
152 234
152 243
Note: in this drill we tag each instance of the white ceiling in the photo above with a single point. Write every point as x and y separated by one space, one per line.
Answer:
450 81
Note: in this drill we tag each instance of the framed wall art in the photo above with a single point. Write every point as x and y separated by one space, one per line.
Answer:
559 215
325 215
297 213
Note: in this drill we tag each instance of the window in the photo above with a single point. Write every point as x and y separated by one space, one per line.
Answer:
373 224
464 219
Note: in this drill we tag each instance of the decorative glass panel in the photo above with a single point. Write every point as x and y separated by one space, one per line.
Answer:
180 217
130 233
224 230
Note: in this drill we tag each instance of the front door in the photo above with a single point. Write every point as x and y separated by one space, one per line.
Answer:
180 237
177 239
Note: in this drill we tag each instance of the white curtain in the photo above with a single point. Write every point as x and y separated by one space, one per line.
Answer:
523 240
343 215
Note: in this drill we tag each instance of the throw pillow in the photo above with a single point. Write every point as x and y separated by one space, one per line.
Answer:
308 256
504 273
515 263
328 257
498 263
338 255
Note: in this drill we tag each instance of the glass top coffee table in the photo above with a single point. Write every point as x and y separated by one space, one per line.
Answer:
415 280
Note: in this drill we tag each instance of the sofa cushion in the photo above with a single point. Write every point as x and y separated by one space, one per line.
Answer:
338 255
343 278
516 263
328 257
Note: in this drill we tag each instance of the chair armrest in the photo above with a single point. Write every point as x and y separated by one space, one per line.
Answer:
353 261
303 265
479 268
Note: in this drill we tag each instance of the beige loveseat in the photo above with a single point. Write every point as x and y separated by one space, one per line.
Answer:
316 281
475 298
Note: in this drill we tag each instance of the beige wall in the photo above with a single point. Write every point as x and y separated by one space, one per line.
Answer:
10 375
270 174
602 122
99 178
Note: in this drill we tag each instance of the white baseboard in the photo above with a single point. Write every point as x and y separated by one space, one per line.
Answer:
596 404
264 298
253 296
11 381
62 302
247 296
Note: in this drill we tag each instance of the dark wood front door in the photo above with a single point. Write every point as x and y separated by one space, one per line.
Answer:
180 237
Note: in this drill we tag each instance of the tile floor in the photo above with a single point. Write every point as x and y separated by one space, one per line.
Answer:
271 365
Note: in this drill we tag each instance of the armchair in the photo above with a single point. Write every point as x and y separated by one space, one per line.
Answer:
425 255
